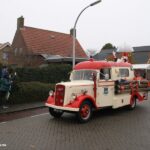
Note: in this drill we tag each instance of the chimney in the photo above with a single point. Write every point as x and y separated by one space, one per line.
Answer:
71 32
20 22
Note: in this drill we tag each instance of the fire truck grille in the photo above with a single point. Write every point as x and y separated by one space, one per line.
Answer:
59 97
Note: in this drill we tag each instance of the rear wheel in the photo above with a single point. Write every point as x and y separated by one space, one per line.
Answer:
133 104
55 112
85 112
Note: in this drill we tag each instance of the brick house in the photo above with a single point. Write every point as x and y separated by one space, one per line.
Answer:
5 49
34 47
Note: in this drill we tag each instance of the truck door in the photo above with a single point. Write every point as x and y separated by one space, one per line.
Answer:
105 88
122 90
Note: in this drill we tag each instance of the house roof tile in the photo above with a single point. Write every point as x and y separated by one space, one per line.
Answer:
4 45
40 41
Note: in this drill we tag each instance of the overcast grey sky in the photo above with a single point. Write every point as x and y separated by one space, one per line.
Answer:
114 21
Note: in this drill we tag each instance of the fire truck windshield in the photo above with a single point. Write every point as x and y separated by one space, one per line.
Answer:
83 74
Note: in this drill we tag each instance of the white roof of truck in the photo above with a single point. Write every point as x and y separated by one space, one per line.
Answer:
141 66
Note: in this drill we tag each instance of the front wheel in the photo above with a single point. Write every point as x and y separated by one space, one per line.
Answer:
85 112
55 112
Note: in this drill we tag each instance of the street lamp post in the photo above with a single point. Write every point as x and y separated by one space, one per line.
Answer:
74 30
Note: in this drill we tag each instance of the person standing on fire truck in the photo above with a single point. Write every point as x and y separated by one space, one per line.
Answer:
137 76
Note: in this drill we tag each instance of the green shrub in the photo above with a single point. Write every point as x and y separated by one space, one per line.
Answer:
54 73
33 84
25 92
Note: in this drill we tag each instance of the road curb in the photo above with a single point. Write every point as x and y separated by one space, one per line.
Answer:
13 110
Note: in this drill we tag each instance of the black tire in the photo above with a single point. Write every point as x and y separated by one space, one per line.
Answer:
85 112
133 105
55 112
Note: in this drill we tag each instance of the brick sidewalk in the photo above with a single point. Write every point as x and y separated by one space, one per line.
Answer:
20 107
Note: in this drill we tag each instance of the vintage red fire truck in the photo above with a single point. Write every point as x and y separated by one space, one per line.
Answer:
97 84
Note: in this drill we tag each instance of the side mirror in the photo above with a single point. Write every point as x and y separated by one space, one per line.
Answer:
106 76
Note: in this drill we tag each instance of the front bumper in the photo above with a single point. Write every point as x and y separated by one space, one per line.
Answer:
62 107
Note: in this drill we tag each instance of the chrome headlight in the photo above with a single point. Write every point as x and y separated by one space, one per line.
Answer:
83 91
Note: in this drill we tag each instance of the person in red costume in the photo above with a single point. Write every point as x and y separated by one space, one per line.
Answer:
137 76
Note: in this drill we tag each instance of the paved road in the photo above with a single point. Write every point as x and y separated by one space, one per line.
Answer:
108 130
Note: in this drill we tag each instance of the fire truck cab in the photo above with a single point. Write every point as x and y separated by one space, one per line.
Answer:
97 84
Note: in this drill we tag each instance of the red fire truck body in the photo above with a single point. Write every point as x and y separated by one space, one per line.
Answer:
97 84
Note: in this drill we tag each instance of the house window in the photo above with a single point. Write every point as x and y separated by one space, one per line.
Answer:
123 73
15 51
20 50
5 56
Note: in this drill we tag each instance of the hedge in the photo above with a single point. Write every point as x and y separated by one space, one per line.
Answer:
54 73
25 92
33 84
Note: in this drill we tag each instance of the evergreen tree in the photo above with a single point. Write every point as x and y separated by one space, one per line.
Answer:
108 46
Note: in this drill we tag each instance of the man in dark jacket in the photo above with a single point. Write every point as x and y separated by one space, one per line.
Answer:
5 87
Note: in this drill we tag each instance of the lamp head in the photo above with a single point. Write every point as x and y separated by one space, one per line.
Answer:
94 3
